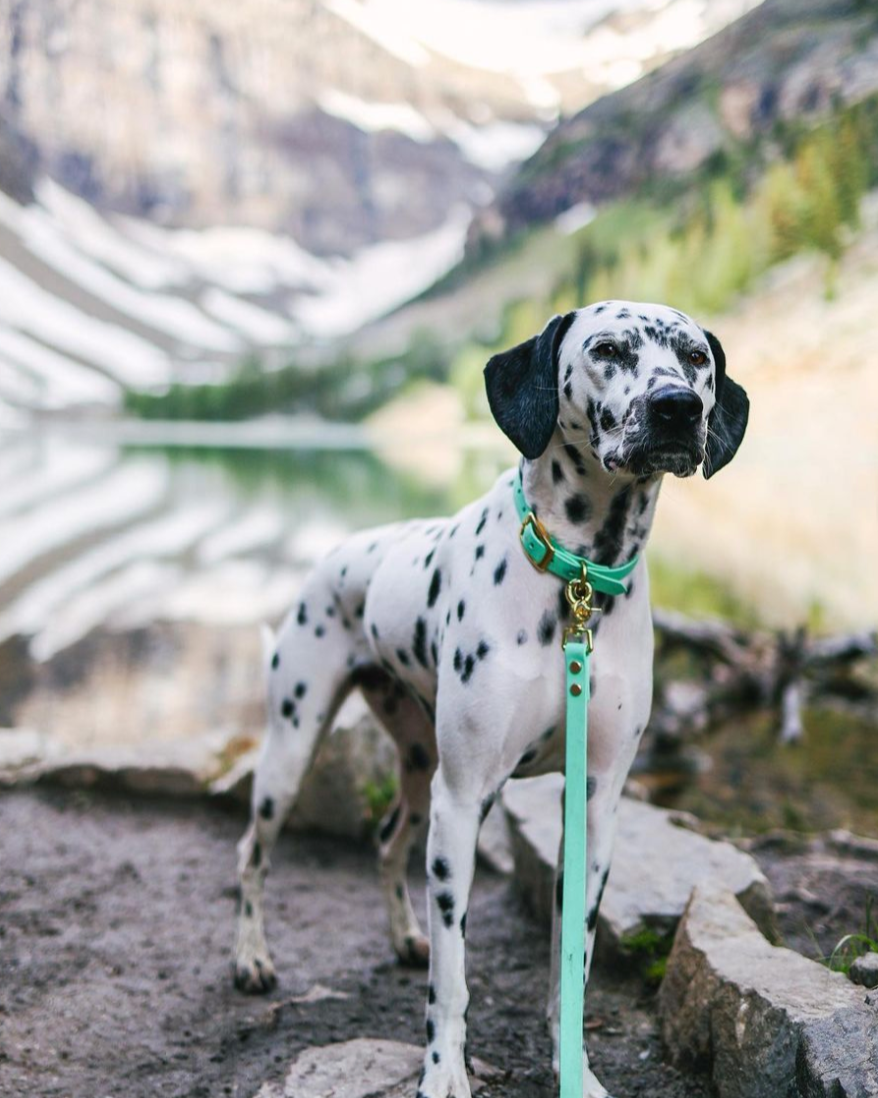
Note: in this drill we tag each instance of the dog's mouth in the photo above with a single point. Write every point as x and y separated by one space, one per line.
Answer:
678 457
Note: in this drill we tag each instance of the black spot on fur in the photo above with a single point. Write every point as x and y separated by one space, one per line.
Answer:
461 609
557 473
431 995
445 903
319 631
468 665
300 690
577 508
435 588
608 541
500 572
257 855
266 809
463 924
428 559
436 1057
403 657
302 616
287 708
431 1031
527 757
486 807
441 870
483 649
275 661
576 458
482 521
546 628
591 785
480 552
419 643
389 825
458 659
521 638
248 909
418 759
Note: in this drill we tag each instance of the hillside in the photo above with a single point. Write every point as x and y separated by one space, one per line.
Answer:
728 105
341 123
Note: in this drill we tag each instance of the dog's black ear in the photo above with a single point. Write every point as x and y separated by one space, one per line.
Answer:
522 386
728 419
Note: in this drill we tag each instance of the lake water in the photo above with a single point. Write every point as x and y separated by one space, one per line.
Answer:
95 534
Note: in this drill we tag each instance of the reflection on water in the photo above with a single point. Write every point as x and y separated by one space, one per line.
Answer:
95 535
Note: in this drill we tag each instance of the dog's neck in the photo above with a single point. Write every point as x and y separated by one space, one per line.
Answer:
603 516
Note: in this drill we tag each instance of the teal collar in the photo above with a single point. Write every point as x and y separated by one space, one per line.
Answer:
546 555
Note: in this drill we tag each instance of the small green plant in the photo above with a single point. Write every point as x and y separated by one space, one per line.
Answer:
647 949
852 946
379 797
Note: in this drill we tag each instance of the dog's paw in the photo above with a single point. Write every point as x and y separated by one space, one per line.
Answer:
443 1079
414 951
255 976
591 1088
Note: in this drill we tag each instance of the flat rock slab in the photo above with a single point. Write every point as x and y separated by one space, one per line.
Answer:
364 1068
656 863
765 1021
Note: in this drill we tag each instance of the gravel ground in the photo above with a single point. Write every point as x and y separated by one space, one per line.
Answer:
116 923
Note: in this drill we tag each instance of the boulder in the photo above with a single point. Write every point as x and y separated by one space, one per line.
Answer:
656 863
353 763
763 1020
864 970
363 1068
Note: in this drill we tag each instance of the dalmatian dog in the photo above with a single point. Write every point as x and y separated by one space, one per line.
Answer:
453 636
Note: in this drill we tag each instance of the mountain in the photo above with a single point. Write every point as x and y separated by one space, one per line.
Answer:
782 67
341 123
186 186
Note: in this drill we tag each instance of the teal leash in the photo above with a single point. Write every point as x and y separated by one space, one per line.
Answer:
583 578
576 654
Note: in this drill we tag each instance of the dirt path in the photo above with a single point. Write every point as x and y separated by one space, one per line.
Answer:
116 922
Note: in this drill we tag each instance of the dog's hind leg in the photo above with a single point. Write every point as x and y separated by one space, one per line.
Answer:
309 673
413 732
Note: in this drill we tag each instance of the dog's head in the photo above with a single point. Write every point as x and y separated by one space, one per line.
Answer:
643 387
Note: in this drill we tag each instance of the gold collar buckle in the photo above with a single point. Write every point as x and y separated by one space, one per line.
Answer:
542 536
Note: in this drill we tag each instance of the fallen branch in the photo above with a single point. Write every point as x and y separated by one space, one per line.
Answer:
747 668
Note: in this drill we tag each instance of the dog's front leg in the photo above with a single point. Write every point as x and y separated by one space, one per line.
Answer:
454 827
603 800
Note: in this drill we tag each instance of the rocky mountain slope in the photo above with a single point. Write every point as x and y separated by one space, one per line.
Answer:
340 122
783 66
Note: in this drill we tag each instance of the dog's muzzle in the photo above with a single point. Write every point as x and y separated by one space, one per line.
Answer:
671 437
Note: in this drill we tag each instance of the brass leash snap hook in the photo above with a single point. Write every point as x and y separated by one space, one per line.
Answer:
579 593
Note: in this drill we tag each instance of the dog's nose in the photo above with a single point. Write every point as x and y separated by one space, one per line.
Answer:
676 407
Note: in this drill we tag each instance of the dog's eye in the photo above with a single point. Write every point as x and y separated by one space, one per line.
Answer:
697 358
606 350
